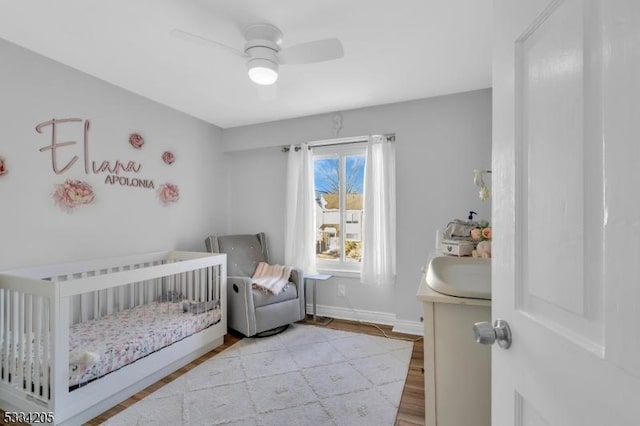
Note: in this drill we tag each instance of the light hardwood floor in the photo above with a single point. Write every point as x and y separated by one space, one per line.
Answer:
410 412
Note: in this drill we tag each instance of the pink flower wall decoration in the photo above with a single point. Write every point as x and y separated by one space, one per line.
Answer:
136 140
168 157
3 167
168 193
73 193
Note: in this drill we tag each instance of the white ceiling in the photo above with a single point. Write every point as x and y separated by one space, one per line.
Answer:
394 51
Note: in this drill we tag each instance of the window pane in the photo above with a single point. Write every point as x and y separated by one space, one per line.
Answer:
354 185
327 190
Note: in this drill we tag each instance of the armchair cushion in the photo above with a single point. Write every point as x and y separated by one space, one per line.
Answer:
264 298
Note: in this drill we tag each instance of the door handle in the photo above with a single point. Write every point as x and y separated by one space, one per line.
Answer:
487 334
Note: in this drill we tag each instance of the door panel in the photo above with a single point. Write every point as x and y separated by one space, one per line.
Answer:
526 415
557 258
549 78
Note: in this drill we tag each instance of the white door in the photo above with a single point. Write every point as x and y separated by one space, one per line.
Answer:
566 212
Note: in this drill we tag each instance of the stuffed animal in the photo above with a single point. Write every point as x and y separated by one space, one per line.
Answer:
483 249
80 364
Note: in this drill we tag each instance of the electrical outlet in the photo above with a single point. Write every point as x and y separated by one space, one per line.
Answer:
342 291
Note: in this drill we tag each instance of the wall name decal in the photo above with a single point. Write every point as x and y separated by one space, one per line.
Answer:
114 169
133 182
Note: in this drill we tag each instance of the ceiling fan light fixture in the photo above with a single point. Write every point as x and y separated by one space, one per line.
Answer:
262 71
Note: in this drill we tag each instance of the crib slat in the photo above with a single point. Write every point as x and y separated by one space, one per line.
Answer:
215 284
14 335
189 284
203 284
132 295
196 285
140 286
7 335
219 281
198 290
21 320
15 325
183 284
110 300
7 331
37 343
3 336
207 285
28 337
10 335
45 352
121 304
96 304
172 283
195 288
210 282
84 303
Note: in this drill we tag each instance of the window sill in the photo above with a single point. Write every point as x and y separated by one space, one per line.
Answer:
340 273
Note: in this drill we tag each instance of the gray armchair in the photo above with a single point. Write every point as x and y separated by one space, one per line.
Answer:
253 311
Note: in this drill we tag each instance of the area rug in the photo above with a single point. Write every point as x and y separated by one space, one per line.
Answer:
304 376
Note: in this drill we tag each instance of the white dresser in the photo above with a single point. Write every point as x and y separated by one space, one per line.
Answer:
457 370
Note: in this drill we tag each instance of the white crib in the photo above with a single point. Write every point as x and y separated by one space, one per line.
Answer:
41 310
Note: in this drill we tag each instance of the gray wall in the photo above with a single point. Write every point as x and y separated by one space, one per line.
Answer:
439 143
122 220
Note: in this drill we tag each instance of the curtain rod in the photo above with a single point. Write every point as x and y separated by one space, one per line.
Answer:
390 138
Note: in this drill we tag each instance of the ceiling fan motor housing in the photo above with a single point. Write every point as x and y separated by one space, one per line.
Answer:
263 43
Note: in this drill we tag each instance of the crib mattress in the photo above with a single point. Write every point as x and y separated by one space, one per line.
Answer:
101 346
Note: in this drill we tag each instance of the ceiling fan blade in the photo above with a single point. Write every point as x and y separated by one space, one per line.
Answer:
313 51
194 38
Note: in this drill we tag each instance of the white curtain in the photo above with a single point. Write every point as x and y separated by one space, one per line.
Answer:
299 234
379 217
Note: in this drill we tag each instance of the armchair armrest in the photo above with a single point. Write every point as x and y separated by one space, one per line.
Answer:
240 287
241 310
297 278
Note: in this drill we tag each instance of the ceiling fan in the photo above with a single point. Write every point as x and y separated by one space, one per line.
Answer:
264 54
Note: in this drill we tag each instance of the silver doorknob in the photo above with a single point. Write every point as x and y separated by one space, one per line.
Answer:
487 334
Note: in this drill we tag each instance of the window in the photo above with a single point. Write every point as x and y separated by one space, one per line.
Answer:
331 225
339 194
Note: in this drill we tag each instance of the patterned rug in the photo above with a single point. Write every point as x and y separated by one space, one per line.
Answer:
304 376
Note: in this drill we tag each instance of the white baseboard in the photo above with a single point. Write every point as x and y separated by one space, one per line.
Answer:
408 327
400 326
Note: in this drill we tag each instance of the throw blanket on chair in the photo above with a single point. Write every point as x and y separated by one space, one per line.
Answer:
271 277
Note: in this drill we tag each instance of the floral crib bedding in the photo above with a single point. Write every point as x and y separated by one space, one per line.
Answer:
99 347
